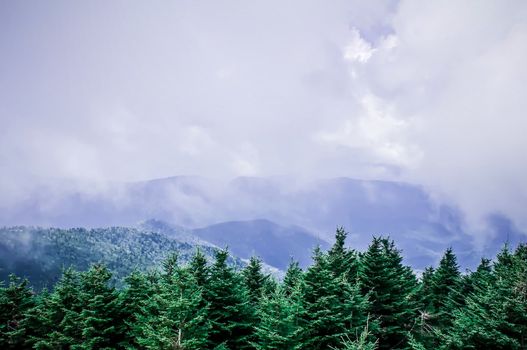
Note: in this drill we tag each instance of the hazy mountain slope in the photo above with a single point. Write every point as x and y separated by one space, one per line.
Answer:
41 253
275 244
422 227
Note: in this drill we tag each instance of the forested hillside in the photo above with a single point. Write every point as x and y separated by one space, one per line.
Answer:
40 254
344 300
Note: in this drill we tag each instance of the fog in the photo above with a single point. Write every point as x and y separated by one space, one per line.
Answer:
428 93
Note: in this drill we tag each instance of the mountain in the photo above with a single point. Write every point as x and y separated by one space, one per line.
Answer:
275 244
422 227
40 254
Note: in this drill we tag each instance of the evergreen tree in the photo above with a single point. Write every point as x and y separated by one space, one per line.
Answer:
279 325
293 277
342 261
229 309
15 301
199 268
133 301
101 325
392 291
426 333
61 315
445 290
478 279
363 342
334 307
425 287
173 318
495 314
254 279
33 326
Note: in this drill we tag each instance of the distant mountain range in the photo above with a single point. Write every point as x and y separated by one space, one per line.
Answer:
275 217
276 245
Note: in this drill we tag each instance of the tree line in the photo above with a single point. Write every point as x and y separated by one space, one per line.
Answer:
345 300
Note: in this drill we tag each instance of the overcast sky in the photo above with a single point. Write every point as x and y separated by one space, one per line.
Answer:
428 92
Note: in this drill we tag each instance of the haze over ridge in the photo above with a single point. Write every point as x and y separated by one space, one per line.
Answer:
426 93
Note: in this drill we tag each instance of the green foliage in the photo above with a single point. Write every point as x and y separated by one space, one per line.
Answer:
496 311
101 326
254 279
15 302
133 301
363 342
280 323
173 317
334 307
392 290
41 253
61 314
344 300
230 313
342 261
293 277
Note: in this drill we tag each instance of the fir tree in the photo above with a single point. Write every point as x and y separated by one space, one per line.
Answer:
279 325
15 301
426 333
334 307
229 309
392 289
293 277
199 268
254 279
478 279
33 327
445 290
61 314
342 261
173 318
363 342
101 325
133 300
494 315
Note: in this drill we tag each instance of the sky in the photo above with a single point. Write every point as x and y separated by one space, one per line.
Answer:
426 92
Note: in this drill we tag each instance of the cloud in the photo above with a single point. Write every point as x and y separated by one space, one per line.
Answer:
455 76
358 49
426 92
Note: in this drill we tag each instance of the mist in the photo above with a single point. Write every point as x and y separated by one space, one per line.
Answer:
428 94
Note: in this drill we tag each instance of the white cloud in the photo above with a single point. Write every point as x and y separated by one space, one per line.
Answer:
358 49
428 92
456 75
377 132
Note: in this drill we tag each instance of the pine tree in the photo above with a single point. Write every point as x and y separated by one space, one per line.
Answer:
229 309
425 333
33 327
101 325
363 342
445 290
173 318
15 301
477 279
199 268
494 315
254 279
425 287
342 261
293 277
334 307
133 300
61 314
392 290
279 325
